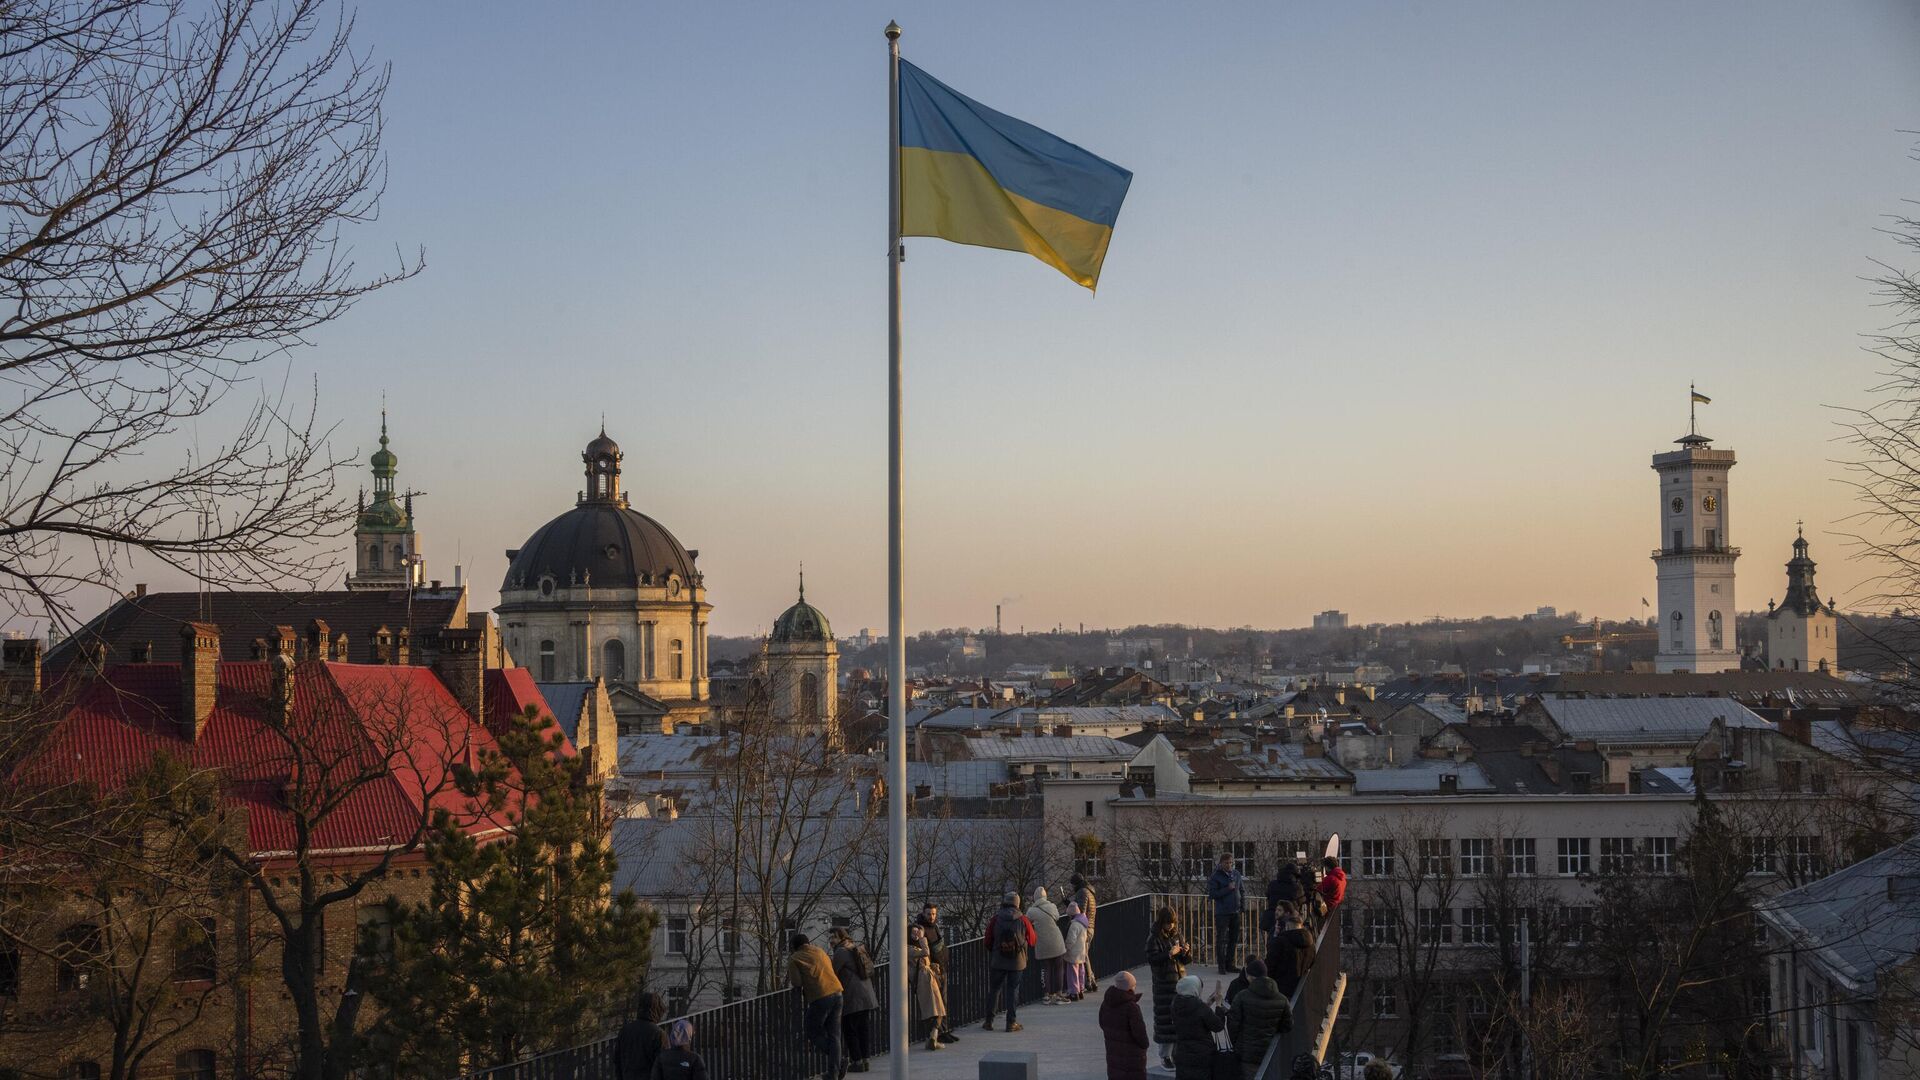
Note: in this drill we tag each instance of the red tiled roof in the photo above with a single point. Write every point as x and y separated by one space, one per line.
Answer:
396 725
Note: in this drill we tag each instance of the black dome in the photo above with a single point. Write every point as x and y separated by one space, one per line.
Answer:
602 544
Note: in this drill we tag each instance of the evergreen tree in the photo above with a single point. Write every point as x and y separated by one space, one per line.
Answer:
521 946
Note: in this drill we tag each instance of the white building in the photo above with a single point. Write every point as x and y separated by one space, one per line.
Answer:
1695 559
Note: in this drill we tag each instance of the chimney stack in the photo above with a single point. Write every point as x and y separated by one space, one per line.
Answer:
340 647
280 649
21 658
1314 748
1797 728
199 675
319 641
462 666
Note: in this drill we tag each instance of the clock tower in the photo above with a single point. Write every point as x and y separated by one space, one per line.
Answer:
1694 562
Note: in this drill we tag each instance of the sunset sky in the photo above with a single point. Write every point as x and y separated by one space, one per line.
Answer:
1401 301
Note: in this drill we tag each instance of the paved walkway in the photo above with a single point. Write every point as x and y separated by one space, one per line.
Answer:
1067 1038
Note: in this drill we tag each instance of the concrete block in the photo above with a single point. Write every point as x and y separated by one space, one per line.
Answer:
1009 1065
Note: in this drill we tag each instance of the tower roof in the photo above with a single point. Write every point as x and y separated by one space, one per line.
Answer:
385 513
601 541
801 623
1802 598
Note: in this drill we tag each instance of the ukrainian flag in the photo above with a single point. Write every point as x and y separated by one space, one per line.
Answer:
974 176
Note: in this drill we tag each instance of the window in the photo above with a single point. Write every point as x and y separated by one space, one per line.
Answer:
729 937
677 999
78 952
676 659
1384 1005
1089 808
1760 854
1246 857
1196 859
1713 541
1576 924
1520 860
1713 630
1800 856
1476 926
194 952
373 556
1156 859
1479 1005
613 663
1090 857
1291 851
546 660
1376 858
195 1065
376 929
1436 858
1789 773
1576 855
1660 851
1381 927
1476 856
1616 854
810 697
81 1070
677 935
647 650
1436 926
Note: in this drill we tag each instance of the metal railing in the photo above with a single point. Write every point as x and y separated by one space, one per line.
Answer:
763 1037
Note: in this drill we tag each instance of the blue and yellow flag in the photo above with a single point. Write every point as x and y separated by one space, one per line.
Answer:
974 176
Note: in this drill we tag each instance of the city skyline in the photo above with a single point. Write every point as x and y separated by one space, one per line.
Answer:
1405 352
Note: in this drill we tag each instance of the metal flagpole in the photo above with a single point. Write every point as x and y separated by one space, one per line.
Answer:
902 1006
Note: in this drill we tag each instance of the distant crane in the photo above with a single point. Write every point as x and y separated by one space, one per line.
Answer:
1598 640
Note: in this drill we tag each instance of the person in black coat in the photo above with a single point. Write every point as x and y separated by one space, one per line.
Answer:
1290 954
1167 956
1194 1024
678 1061
640 1040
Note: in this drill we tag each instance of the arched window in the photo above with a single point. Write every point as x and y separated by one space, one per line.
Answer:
1713 630
195 958
614 663
399 556
373 556
676 659
810 697
78 951
195 1065
546 660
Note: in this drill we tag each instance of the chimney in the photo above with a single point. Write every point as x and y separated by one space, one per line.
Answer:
1449 783
199 675
21 659
340 647
403 646
462 666
1273 755
382 645
319 641
280 663
1314 748
258 650
1797 728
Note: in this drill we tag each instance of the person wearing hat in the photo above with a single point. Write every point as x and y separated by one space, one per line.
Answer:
678 1061
1009 938
1194 1024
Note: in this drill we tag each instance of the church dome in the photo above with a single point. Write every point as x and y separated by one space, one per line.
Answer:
603 544
801 623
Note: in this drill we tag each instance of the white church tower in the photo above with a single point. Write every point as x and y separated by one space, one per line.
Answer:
1695 560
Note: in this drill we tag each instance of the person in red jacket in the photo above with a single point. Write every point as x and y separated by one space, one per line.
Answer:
1333 883
1010 938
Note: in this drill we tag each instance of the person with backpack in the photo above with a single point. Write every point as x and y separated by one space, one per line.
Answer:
1009 938
1290 953
1050 949
1255 1016
854 968
678 1061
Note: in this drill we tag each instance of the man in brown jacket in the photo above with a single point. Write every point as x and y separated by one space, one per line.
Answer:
810 970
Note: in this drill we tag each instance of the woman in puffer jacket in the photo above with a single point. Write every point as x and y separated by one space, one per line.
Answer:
1194 1025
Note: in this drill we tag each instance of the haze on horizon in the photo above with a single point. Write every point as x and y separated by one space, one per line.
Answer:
1399 306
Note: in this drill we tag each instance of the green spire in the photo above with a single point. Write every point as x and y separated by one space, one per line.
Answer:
384 513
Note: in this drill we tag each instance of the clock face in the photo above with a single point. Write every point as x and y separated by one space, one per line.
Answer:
1710 504
1679 504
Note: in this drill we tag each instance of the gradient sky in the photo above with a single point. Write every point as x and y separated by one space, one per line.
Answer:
1402 300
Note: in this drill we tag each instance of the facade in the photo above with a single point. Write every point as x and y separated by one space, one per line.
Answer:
1801 630
1331 620
386 550
1694 562
606 592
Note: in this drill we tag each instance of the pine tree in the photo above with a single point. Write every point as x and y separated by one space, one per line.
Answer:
521 946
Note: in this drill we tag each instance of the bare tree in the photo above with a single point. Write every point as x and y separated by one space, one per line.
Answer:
1401 913
174 182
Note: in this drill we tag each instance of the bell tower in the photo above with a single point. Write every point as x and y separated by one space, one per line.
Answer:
1801 628
1694 562
386 551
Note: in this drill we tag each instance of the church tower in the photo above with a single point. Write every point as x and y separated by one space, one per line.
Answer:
1800 629
1694 563
803 667
386 552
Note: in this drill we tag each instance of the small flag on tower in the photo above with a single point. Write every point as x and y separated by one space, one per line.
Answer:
1702 398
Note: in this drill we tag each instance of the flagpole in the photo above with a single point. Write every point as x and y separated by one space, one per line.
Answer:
898 1019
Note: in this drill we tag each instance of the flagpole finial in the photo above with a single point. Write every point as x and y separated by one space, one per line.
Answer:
893 30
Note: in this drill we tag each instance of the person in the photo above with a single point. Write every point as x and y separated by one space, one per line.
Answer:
1333 883
854 968
1167 956
929 997
1076 966
1124 1030
810 970
929 923
1255 1016
1194 1025
678 1061
640 1040
1290 953
1226 887
1282 888
1377 1069
1083 897
1010 939
1049 949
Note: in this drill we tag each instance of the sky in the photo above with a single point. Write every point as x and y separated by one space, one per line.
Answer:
1401 301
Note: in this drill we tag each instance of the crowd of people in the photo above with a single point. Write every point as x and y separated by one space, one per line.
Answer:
1242 1019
